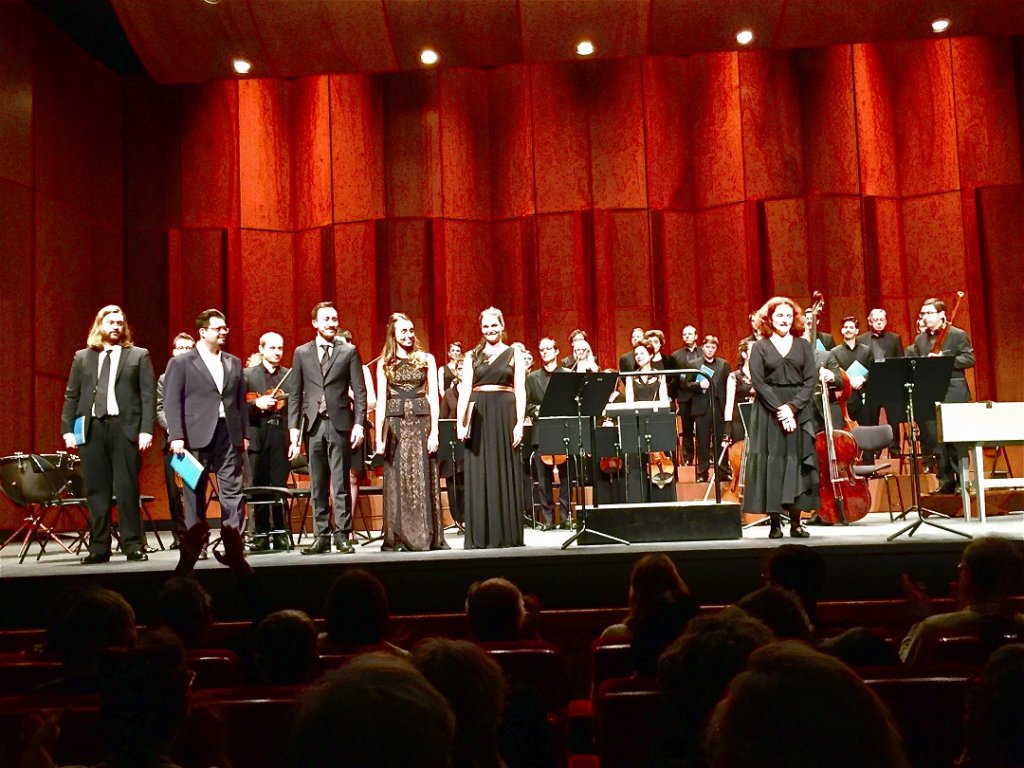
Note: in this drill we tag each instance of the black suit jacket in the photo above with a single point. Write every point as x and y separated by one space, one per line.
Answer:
890 343
686 386
701 399
257 380
134 388
627 362
192 402
845 357
306 385
957 346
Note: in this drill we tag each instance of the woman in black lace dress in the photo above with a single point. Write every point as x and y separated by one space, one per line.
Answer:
407 409
492 412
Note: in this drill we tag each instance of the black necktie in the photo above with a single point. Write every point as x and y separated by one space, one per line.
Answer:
325 363
102 386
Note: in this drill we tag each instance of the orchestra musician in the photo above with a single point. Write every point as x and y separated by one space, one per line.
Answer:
885 345
583 357
627 362
183 342
648 387
847 353
204 400
781 463
958 346
687 356
709 417
268 439
825 338
536 387
577 334
449 377
111 387
319 411
738 389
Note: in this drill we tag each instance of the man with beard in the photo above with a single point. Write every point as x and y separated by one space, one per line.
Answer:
536 386
204 400
847 353
112 388
319 411
268 439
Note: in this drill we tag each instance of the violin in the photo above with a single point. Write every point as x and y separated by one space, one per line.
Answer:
610 465
661 468
553 459
280 398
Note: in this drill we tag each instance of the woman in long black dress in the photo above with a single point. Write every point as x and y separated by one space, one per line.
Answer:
781 463
494 381
406 423
648 387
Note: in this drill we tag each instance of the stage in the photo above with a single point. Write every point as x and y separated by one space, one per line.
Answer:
860 564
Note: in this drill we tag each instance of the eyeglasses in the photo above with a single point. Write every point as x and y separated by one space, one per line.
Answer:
218 329
546 349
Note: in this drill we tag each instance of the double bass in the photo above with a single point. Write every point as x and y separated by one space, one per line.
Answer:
845 498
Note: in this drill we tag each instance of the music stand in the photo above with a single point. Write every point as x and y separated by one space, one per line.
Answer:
648 431
452 450
583 396
919 382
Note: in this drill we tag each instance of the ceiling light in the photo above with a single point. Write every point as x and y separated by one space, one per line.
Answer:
584 48
429 56
940 25
211 2
242 66
744 37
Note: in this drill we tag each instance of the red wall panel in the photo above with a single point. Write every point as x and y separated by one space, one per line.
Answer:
470 281
667 122
152 154
16 64
623 278
720 266
404 272
772 141
676 302
513 275
465 144
563 290
311 152
829 120
264 153
835 234
618 152
16 300
512 177
716 129
357 147
412 160
307 276
146 300
884 255
267 290
785 241
198 274
561 141
209 156
934 245
876 133
356 286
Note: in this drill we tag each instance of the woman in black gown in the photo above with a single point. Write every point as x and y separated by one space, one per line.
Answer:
494 382
648 387
781 463
406 422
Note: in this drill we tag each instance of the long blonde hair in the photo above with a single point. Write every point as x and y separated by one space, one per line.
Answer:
95 337
501 319
389 355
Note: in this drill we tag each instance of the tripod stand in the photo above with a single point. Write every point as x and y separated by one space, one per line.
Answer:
923 382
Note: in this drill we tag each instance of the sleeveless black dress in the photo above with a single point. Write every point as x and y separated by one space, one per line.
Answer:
494 483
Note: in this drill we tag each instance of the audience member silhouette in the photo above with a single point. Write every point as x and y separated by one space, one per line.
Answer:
795 707
652 576
286 649
656 627
475 688
800 569
378 711
693 675
990 570
356 615
994 728
496 611
780 610
186 608
87 620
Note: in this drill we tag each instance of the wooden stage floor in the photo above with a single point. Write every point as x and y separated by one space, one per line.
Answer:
860 564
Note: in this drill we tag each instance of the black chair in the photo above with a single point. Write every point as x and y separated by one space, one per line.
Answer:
874 439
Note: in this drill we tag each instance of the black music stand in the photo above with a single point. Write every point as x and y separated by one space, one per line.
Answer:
564 436
452 450
648 431
582 396
920 382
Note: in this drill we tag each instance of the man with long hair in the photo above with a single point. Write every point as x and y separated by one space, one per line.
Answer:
113 390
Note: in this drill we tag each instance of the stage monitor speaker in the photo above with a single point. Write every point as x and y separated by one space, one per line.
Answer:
672 521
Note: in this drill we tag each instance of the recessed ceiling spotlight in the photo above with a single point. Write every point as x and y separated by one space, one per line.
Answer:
940 25
584 48
211 2
744 37
242 66
429 56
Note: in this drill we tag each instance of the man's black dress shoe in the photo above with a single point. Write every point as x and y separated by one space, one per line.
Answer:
137 556
94 559
799 532
281 542
775 533
947 487
320 546
260 543
345 546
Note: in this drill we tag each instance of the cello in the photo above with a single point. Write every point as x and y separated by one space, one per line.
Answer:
845 498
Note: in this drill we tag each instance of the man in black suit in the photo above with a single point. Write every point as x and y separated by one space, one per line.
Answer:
182 344
268 439
958 346
112 388
884 345
627 362
536 387
687 356
846 354
709 416
204 400
319 411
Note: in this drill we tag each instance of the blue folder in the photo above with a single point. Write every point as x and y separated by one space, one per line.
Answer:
188 467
